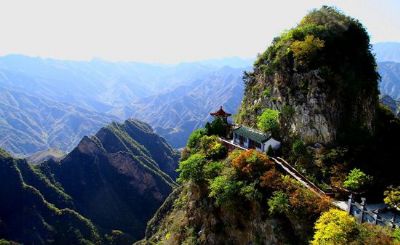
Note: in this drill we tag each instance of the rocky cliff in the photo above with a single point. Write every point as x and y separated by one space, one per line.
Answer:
320 75
104 191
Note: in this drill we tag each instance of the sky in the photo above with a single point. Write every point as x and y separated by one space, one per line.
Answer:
168 31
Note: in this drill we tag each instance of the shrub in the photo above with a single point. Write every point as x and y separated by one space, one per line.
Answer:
271 179
194 138
306 203
356 180
250 192
268 121
304 51
299 148
213 169
287 111
375 234
192 168
279 203
335 227
212 147
267 92
396 234
251 163
224 189
392 197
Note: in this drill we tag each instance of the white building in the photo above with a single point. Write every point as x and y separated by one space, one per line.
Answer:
253 139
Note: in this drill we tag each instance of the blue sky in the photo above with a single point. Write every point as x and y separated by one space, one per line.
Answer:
168 31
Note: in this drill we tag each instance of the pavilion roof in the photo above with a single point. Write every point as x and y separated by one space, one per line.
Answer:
220 113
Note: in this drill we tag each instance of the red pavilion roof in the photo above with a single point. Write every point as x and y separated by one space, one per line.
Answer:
220 113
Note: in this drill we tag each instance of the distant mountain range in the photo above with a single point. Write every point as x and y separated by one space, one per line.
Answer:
29 123
107 187
47 103
175 114
390 84
387 51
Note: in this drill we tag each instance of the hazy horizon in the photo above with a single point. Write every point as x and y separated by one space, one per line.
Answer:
168 32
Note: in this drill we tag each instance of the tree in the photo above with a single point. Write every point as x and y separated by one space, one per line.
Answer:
224 189
251 163
192 168
194 138
212 147
278 203
392 197
356 180
217 127
268 121
335 227
299 148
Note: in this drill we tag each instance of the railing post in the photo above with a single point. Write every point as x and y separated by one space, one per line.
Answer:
376 216
363 208
349 203
393 221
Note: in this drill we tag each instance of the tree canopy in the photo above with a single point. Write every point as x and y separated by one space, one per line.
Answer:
356 180
268 121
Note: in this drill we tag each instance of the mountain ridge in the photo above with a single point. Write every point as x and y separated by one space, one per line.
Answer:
113 180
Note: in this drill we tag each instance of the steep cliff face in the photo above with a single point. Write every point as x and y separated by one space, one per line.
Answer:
189 217
33 211
104 191
321 76
116 178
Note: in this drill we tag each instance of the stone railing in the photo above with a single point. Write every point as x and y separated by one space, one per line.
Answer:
378 216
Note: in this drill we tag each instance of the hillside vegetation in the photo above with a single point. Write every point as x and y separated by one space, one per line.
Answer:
316 90
321 76
102 192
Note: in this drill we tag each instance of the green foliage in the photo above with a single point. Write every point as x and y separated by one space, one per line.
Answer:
194 138
250 192
396 234
278 203
304 51
287 111
217 127
212 147
213 169
224 189
192 168
392 197
334 47
4 153
335 227
356 180
5 242
267 92
268 121
299 148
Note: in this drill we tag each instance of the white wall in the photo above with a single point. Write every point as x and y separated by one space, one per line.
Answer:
273 143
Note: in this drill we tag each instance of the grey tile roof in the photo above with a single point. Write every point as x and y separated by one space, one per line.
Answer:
252 134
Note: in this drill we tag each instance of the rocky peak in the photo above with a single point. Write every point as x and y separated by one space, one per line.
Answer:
321 76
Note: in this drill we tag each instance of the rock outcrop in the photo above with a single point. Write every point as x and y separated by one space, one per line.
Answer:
321 76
